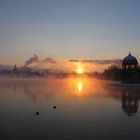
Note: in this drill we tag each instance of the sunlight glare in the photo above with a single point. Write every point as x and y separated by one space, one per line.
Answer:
80 70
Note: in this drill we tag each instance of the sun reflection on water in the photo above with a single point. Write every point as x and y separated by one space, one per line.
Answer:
79 87
83 86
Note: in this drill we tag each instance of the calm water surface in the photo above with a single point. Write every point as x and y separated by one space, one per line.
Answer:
85 109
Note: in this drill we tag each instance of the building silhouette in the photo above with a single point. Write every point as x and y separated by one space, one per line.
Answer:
129 68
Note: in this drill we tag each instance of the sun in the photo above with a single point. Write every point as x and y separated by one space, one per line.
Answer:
80 70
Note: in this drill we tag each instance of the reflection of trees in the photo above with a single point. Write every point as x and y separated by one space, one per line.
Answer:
47 89
39 90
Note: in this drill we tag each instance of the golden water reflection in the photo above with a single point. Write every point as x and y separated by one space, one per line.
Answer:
81 103
80 86
69 89
83 86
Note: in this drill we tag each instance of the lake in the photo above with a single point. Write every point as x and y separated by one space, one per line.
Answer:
70 108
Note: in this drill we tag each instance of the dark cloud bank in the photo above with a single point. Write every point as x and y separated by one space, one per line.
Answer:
100 62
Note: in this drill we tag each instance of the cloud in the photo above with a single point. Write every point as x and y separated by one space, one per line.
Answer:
49 63
35 61
32 60
69 65
100 62
96 65
49 60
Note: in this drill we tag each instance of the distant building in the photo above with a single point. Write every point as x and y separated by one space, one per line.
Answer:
15 69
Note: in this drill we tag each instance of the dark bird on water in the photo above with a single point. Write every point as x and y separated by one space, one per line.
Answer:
37 113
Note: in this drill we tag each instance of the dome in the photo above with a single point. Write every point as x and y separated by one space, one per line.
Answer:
130 60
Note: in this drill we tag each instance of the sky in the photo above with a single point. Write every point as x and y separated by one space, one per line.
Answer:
68 29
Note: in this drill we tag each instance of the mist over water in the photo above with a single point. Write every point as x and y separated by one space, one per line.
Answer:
86 108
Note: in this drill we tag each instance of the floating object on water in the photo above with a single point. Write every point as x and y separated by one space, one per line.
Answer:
37 113
54 107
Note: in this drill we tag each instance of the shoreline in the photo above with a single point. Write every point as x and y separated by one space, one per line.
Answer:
136 85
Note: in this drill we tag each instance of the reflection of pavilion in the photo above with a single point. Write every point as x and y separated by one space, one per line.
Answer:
129 98
130 102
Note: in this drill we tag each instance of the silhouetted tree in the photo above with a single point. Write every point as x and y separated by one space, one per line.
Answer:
112 73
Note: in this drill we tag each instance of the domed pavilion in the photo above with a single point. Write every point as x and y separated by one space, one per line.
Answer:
130 63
